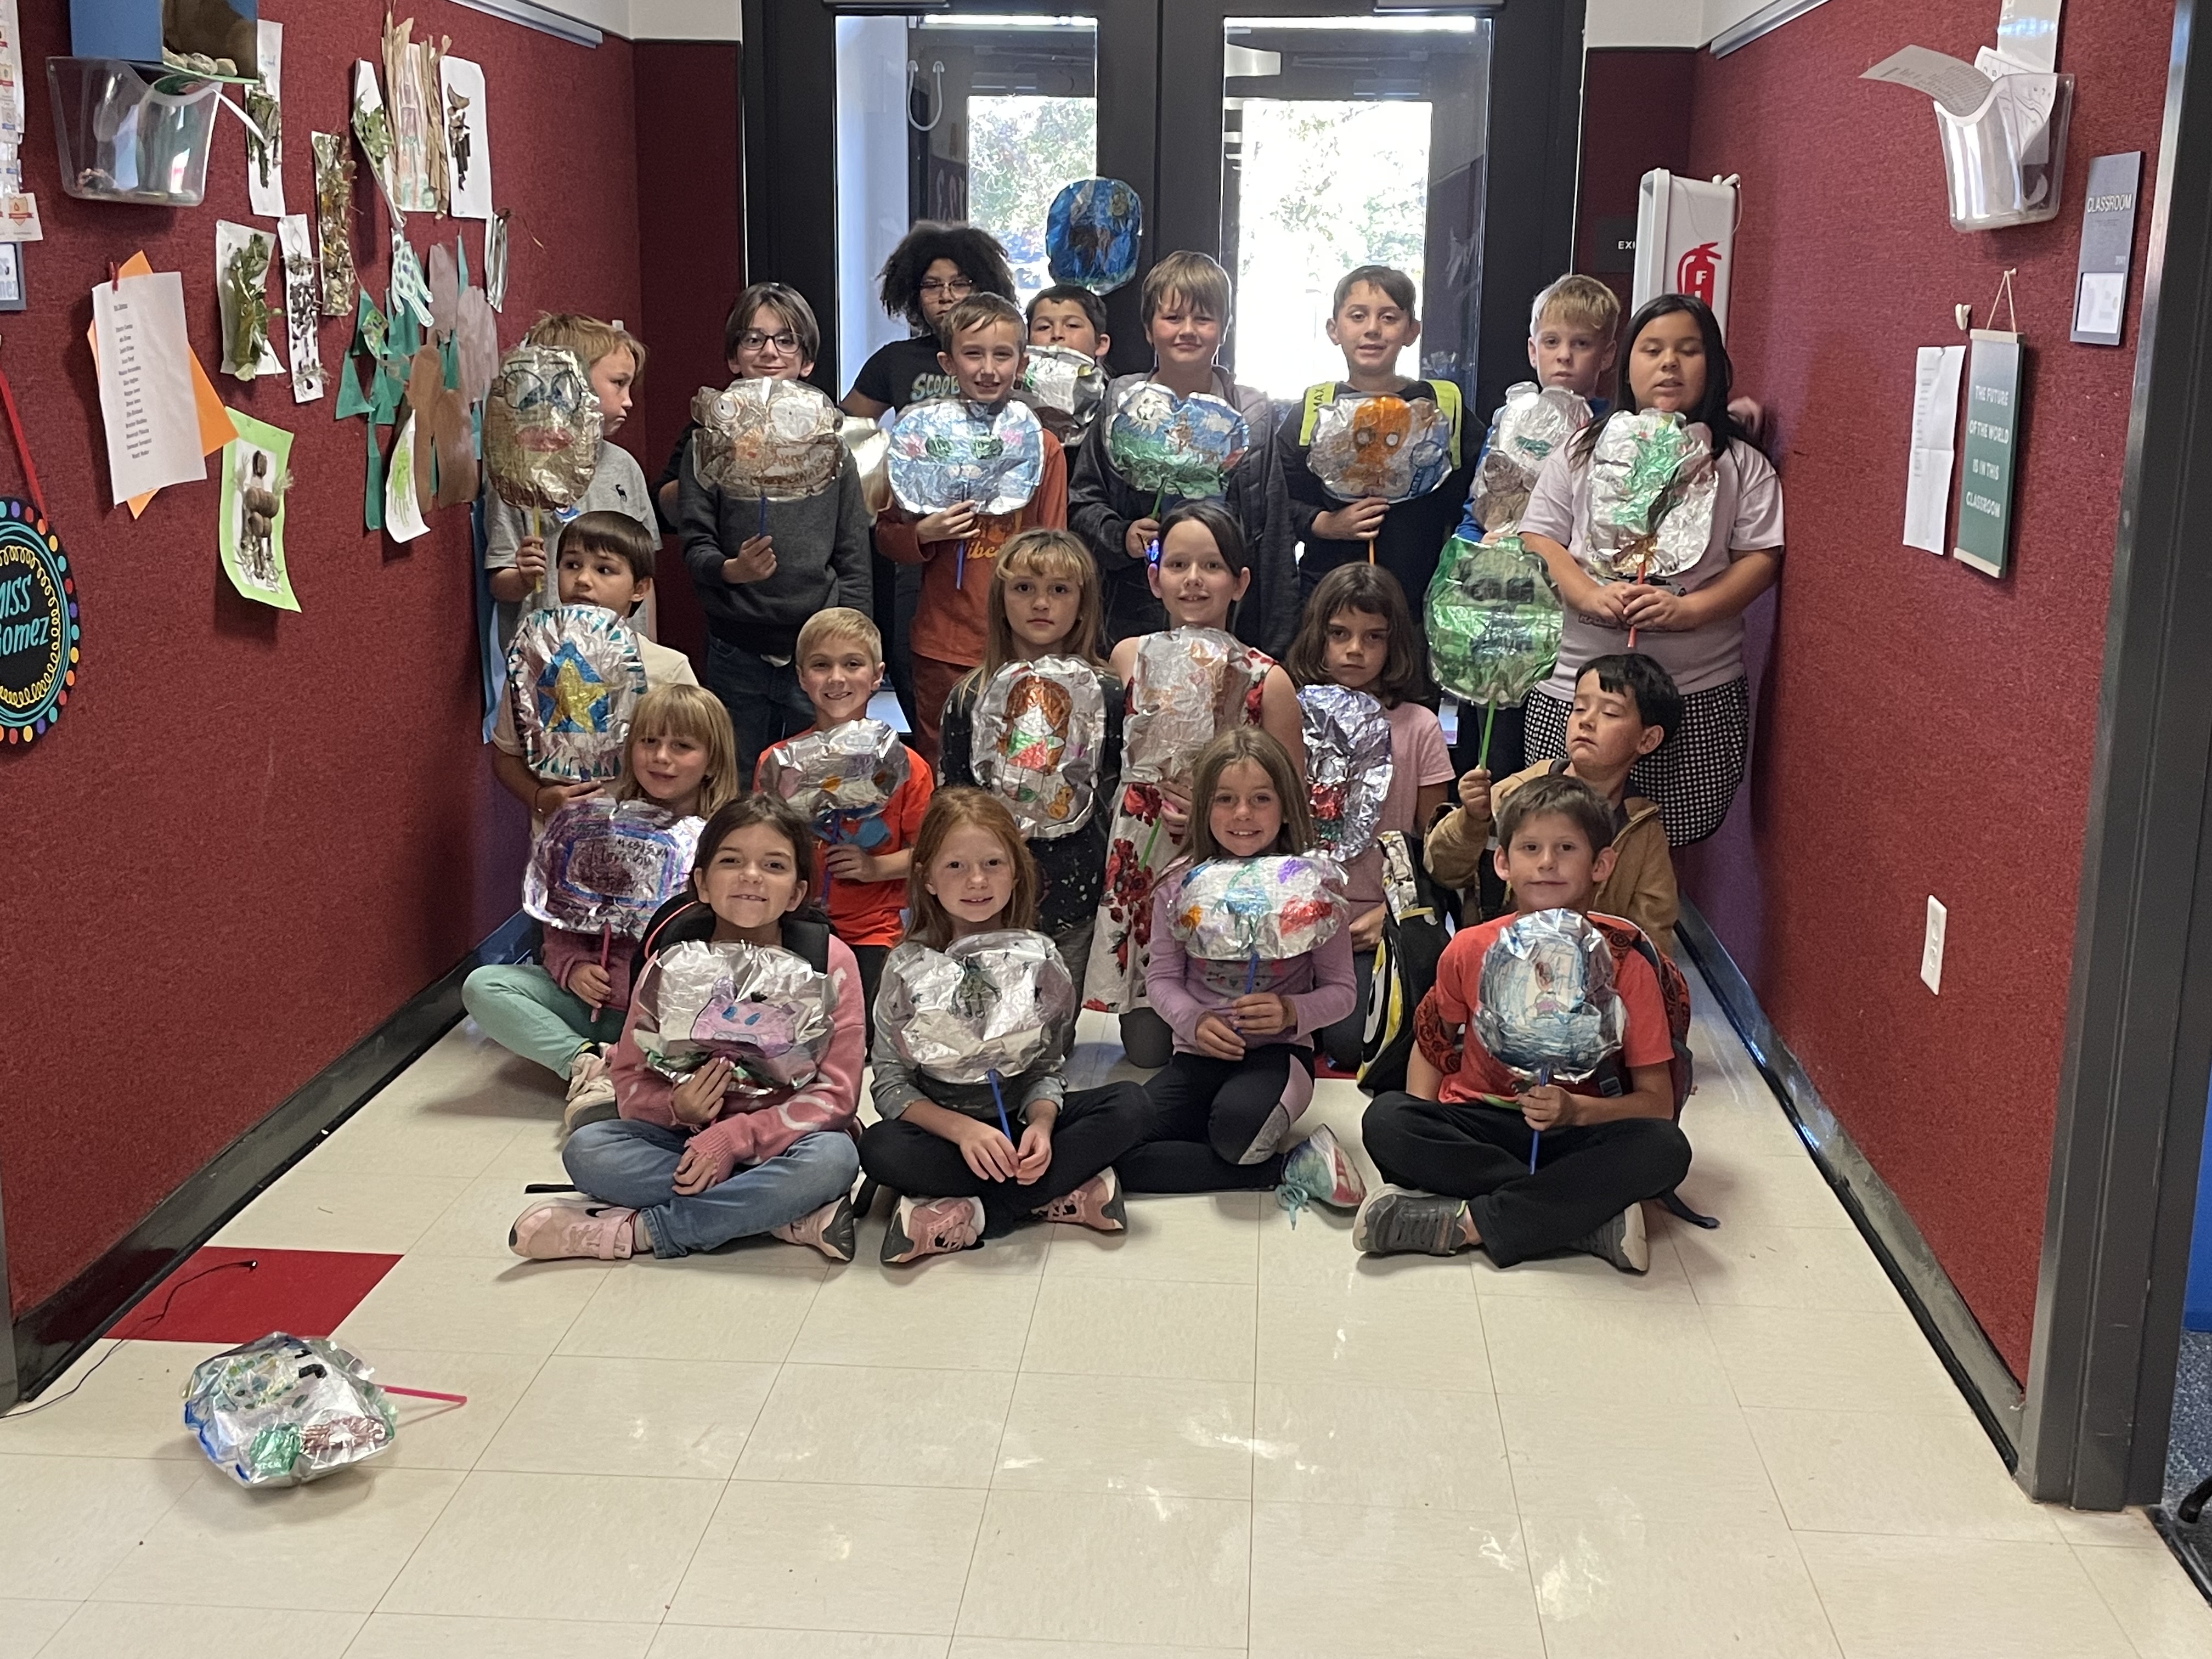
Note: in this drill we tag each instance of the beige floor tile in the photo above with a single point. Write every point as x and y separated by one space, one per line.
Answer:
990 1647
1139 1435
1389 1333
742 1307
1677 1465
1850 1361
2149 1593
869 1314
198 1554
1211 1237
1338 1583
1784 1268
476 1219
1748 1189
1128 1327
25 1626
1584 1277
127 1403
1058 1567
434 1434
1321 1442
430 1636
403 1142
1561 1349
1317 1254
556 1547
1861 1472
783 1555
66 1520
471 1304
1610 1585
121 1630
316 1209
723 1642
1959 1598
2127 1529
876 1426
685 1419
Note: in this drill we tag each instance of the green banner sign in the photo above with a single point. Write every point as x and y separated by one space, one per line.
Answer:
1992 450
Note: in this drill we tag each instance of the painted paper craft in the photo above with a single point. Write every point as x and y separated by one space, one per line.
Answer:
372 124
1494 625
1092 232
444 278
409 287
334 222
302 308
575 675
948 452
402 512
264 149
242 257
1382 448
146 398
495 260
477 345
541 429
468 147
1176 447
772 441
257 476
410 82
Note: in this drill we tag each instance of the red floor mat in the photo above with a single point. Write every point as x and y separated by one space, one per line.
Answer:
305 1293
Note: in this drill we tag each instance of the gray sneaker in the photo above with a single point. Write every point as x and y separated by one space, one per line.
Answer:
1620 1240
1392 1220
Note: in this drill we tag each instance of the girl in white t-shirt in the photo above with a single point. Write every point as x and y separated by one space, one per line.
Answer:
1690 624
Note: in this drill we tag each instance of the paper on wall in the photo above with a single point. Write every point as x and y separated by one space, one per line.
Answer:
243 255
2027 34
146 400
250 505
1935 424
1957 86
372 125
403 514
467 141
215 429
264 103
302 307
495 261
410 91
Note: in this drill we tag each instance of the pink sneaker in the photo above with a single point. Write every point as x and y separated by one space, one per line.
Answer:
1096 1204
829 1230
562 1228
932 1226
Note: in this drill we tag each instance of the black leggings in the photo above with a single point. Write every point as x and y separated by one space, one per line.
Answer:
1341 1042
870 959
1216 1124
1095 1128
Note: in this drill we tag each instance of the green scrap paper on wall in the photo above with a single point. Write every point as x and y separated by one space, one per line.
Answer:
250 505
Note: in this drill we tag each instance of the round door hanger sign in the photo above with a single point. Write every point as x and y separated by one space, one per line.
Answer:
37 624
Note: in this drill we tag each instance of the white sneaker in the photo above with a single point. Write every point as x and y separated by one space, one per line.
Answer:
591 1090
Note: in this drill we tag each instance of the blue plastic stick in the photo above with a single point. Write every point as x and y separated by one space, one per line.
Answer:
762 524
1005 1128
960 565
1543 1077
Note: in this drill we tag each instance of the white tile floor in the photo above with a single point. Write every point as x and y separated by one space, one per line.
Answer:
1219 1436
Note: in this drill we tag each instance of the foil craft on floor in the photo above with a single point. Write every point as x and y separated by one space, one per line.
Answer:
282 1410
575 673
605 864
1000 1001
1347 743
1546 1008
761 1008
1040 732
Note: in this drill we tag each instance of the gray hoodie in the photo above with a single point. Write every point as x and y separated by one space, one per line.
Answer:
820 558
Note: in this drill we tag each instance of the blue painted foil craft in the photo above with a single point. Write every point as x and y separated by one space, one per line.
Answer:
949 451
607 863
1546 1008
1091 233
1173 447
575 674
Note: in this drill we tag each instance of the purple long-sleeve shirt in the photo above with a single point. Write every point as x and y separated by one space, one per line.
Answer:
1319 984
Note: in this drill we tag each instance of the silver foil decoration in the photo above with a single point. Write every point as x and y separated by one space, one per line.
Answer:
1380 448
761 1008
575 674
1063 385
1265 909
1183 692
774 440
832 778
281 1411
1000 1002
1651 491
949 451
1347 743
1040 733
870 446
1531 424
1545 1005
607 863
541 429
1493 620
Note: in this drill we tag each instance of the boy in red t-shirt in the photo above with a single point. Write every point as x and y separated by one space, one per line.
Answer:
839 655
1454 1143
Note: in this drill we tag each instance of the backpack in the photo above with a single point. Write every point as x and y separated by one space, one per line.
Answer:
684 919
1414 933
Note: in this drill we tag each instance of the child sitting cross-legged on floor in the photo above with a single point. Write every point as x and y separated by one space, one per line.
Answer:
1456 1145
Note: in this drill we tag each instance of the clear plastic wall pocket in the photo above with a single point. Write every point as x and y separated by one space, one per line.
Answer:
2003 163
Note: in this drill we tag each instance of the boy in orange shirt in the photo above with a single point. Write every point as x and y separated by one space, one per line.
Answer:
1455 1144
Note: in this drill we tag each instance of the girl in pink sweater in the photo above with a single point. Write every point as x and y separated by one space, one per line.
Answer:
693 1165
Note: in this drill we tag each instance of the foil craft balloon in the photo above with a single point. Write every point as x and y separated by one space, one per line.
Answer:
1001 1002
1347 744
1171 446
1040 732
870 446
1232 915
1494 625
575 673
1546 1008
1651 491
949 451
1183 692
541 429
1064 387
1528 427
1091 233
840 780
608 864
762 1009
1390 449
281 1411
772 441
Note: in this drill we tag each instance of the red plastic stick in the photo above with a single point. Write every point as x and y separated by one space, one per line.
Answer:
426 1394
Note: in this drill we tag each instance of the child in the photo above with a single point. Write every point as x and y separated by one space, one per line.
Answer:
1242 1071
983 352
614 358
678 756
934 267
1197 581
1043 602
691 1165
1186 306
606 559
756 586
1357 634
1069 314
1625 708
1458 1165
1692 625
938 1145
770 334
1371 321
839 657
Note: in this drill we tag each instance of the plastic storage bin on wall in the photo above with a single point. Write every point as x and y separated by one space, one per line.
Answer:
121 140
1994 175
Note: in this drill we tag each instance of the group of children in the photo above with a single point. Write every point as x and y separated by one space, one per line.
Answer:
1631 752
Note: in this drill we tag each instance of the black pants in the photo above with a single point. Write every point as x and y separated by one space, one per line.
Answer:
871 960
1341 1041
1584 1174
1095 1128
1215 1125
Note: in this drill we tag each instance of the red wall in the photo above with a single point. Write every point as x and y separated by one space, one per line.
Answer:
1635 117
253 834
1921 728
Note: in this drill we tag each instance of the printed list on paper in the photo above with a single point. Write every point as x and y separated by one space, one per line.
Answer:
146 384
1934 419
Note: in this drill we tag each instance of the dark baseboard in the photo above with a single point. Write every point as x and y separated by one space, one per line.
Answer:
1951 1328
50 1336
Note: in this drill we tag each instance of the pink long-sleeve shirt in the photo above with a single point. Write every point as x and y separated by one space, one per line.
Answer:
752 1131
564 951
1319 984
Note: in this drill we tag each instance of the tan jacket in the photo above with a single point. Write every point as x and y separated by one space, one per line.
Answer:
1640 887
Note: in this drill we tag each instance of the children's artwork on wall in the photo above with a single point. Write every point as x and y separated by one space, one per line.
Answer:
372 124
39 633
468 143
242 257
264 149
302 308
495 260
444 275
476 345
403 514
409 287
334 222
411 83
257 476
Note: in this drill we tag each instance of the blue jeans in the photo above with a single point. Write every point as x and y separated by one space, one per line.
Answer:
633 1164
765 703
522 1010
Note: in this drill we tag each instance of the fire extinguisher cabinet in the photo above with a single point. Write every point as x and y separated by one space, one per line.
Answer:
1686 238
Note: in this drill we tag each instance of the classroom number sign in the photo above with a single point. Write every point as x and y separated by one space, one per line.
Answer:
37 624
